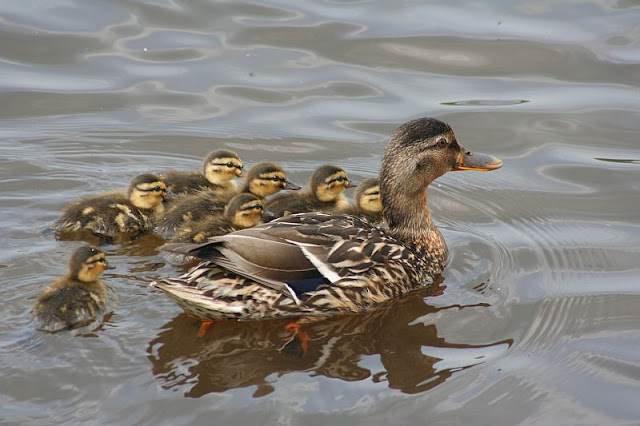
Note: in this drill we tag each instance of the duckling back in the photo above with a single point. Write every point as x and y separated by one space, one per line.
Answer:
220 167
68 302
78 297
189 209
112 214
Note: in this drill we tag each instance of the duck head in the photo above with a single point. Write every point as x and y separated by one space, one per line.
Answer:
245 210
147 191
264 179
328 182
222 166
367 196
87 263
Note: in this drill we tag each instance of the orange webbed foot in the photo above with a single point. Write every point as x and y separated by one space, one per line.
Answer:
295 337
205 324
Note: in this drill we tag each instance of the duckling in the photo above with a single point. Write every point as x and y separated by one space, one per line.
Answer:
262 180
315 264
243 211
368 203
113 214
77 298
325 193
219 169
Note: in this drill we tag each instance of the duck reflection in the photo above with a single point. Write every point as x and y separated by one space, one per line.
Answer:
236 354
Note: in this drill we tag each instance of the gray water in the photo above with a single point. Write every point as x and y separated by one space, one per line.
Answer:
537 318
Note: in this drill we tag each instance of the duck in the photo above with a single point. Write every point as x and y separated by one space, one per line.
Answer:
368 203
114 214
219 169
318 264
77 298
243 211
262 180
325 193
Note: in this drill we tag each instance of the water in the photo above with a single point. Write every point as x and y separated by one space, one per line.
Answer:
536 319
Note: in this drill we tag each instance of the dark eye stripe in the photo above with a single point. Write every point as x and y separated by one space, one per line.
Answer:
373 193
154 189
230 165
253 207
100 259
339 179
274 178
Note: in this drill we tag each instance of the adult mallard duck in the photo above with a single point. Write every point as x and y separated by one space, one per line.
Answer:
243 211
77 298
325 194
320 263
262 180
219 169
113 214
368 203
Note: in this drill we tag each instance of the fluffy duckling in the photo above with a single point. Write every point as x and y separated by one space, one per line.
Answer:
77 298
113 214
219 169
263 179
325 194
243 211
368 203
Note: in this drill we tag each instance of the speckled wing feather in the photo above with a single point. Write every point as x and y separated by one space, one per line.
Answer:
298 247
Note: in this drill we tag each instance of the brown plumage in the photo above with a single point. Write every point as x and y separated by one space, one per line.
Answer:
243 211
262 180
319 263
325 194
112 214
219 169
77 298
368 203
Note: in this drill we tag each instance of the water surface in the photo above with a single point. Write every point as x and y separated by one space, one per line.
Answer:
536 319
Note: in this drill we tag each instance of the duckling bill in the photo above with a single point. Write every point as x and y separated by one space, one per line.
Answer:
329 263
77 298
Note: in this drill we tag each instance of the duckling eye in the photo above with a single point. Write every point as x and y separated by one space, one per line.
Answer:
157 189
275 178
230 165
442 142
340 179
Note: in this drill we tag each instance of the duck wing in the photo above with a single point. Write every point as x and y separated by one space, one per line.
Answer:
297 253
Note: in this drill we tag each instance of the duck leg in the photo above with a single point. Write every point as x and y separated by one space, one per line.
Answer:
295 337
205 324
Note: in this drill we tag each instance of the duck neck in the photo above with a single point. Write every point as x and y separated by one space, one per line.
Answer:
409 220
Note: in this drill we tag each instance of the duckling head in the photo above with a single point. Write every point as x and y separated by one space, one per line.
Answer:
328 182
244 210
221 166
367 196
87 263
264 179
147 191
420 151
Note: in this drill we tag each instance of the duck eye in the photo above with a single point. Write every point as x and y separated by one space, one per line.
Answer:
442 142
340 179
157 189
230 165
275 178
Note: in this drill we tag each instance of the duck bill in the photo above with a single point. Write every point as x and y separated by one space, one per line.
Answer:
475 161
268 216
291 186
352 184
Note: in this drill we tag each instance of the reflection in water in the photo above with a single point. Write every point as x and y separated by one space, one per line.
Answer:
236 354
